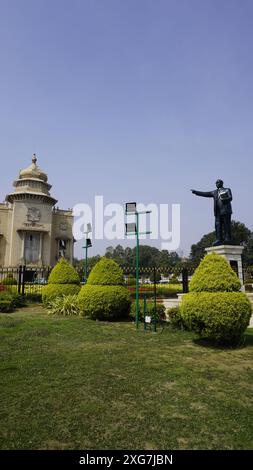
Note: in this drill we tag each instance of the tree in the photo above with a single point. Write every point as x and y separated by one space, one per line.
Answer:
241 235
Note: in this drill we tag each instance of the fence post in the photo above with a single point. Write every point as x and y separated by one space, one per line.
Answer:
19 279
185 280
23 280
155 297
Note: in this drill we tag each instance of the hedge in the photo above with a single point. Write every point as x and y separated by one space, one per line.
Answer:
214 274
9 280
51 291
106 273
9 301
219 316
104 302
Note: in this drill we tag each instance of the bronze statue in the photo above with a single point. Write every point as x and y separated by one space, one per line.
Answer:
222 211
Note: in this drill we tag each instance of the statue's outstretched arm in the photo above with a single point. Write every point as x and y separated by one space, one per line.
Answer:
202 193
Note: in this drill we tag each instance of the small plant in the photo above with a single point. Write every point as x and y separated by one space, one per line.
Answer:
175 317
67 305
9 301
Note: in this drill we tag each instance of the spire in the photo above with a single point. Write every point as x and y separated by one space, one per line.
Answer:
34 159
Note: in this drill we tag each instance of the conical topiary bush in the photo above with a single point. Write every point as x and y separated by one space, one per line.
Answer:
63 280
214 274
106 273
215 308
104 297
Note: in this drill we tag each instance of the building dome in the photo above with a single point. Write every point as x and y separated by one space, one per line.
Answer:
32 183
33 171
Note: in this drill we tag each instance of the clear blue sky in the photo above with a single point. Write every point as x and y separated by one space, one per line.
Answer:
132 99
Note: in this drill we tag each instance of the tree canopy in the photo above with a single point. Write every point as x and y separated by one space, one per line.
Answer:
241 235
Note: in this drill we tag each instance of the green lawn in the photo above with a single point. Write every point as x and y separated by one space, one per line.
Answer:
70 383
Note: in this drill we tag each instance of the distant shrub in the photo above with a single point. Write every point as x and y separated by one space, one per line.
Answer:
9 280
219 316
63 273
131 280
166 291
51 291
106 273
67 305
104 302
214 274
174 279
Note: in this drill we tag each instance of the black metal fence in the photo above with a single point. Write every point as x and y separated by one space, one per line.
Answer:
159 281
23 280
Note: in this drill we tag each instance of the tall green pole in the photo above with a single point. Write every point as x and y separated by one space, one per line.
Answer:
86 259
137 270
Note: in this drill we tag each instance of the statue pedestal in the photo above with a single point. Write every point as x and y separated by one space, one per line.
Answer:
233 254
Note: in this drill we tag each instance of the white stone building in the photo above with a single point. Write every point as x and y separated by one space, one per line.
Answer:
32 231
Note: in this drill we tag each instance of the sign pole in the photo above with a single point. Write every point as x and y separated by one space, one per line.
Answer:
137 269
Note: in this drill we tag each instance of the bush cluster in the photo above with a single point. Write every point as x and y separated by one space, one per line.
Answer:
10 301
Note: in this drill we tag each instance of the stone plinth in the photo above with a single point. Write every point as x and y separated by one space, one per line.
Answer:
233 254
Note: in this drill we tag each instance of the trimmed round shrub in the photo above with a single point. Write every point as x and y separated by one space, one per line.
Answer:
219 316
63 273
104 302
106 273
51 291
9 280
214 274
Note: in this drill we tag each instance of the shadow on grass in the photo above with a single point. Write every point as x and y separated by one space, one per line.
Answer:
247 341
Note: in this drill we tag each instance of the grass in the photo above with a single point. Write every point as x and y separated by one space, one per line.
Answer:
70 383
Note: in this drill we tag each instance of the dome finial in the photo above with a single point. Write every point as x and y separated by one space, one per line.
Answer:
34 158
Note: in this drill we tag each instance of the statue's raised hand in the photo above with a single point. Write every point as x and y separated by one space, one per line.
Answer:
193 191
